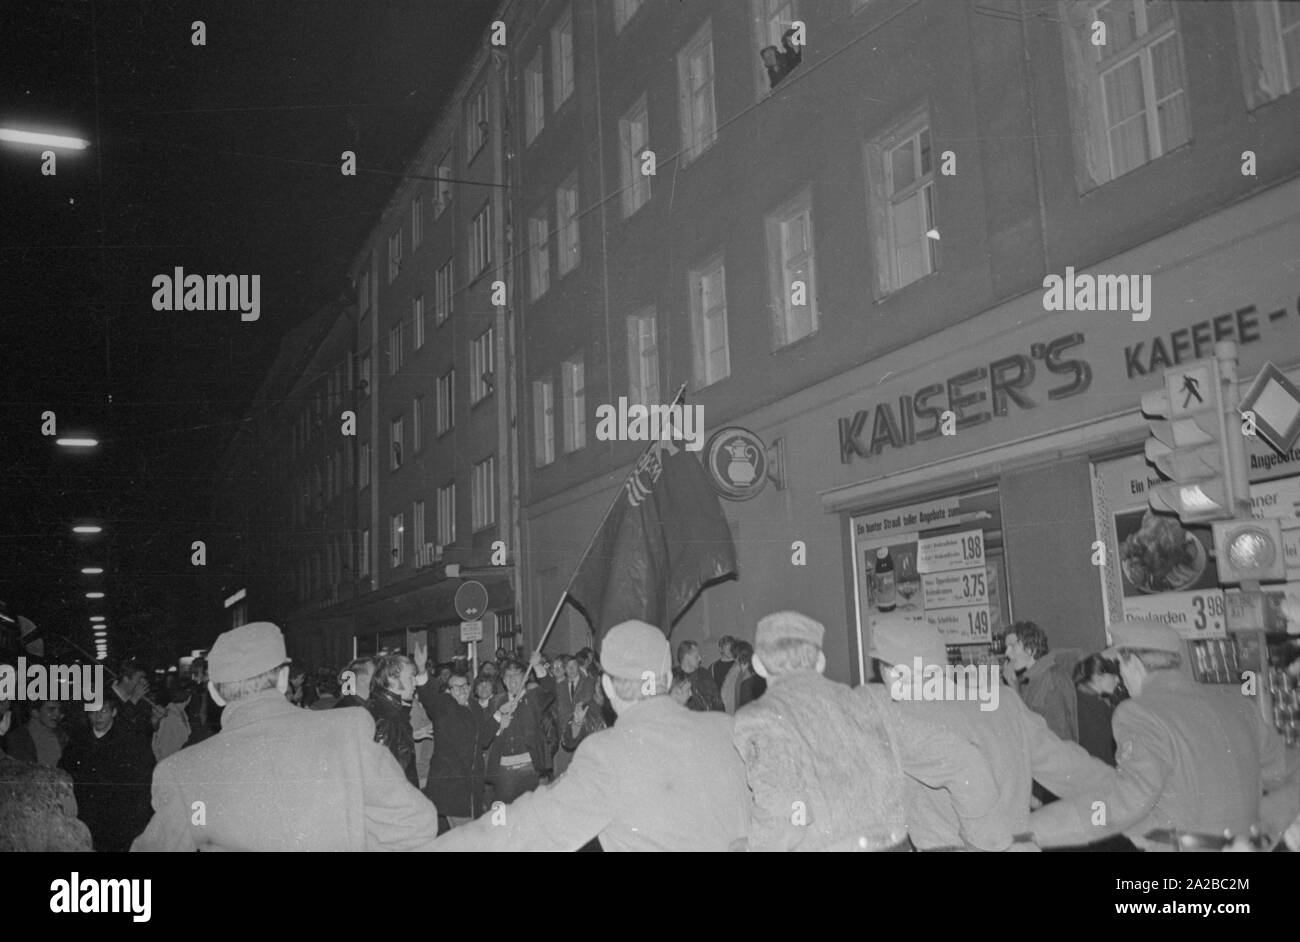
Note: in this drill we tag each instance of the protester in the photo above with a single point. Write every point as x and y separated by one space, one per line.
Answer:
681 688
110 765
704 692
517 756
1043 678
749 685
1189 761
135 709
391 693
456 773
42 739
205 715
354 683
726 660
484 690
1099 690
575 688
1015 741
662 778
38 808
300 692
302 779
585 720
826 763
174 729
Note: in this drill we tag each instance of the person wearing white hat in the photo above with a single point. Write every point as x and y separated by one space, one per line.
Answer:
1189 760
277 778
1016 741
663 778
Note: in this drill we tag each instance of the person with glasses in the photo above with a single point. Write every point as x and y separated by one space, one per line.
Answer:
460 735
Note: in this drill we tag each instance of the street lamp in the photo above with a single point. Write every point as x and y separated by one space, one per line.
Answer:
94 595
40 139
87 529
96 617
77 442
92 571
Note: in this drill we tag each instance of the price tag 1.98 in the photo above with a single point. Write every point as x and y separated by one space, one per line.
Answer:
955 551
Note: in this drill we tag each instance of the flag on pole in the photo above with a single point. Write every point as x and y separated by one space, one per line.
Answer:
664 539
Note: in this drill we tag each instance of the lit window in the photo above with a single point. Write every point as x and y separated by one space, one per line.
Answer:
709 324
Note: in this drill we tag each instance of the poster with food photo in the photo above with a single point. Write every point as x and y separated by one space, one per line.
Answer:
1158 554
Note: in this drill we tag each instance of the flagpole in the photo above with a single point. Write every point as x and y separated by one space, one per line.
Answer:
681 394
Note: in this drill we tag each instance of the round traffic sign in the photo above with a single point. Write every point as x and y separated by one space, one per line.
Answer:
471 600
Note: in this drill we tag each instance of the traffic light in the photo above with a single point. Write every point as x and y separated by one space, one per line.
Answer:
1249 551
1189 445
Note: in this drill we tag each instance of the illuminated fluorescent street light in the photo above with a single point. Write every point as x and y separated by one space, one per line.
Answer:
91 571
94 595
96 617
87 529
15 136
77 442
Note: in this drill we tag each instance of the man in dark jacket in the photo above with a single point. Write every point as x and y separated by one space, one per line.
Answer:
726 660
391 693
204 714
1043 678
704 692
781 62
111 768
460 734
517 757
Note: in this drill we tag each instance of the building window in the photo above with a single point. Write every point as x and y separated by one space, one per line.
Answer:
900 172
695 79
363 287
364 472
633 139
397 537
709 323
446 402
1268 36
566 218
543 422
443 172
480 242
777 56
534 98
790 245
417 526
363 378
363 563
417 423
483 494
395 349
643 358
539 256
476 123
1127 97
562 60
574 392
447 514
417 320
624 10
417 223
395 444
442 293
394 255
481 378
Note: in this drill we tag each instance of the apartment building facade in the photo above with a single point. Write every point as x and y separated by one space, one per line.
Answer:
851 265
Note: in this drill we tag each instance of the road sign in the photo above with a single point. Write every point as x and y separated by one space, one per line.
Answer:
1275 403
471 600
471 631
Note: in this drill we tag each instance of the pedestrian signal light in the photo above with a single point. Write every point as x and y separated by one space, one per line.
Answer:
1249 551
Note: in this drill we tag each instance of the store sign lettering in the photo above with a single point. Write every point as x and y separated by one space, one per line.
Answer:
919 417
1196 341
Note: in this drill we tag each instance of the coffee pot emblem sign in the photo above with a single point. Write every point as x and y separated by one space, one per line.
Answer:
743 457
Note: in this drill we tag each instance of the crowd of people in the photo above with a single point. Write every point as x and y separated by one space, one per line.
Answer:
758 750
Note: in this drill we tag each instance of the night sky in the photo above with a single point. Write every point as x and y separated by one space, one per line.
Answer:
221 159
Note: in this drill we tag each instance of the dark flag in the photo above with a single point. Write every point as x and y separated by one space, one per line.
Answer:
664 539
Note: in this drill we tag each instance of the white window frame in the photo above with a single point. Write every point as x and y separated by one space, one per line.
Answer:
363 473
534 96
417 222
443 172
446 419
539 255
543 421
480 242
765 23
395 348
696 139
417 422
568 239
444 292
883 202
705 325
562 71
397 539
643 357
396 442
417 527
417 321
573 394
476 112
782 265
394 255
633 141
447 514
482 360
483 494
